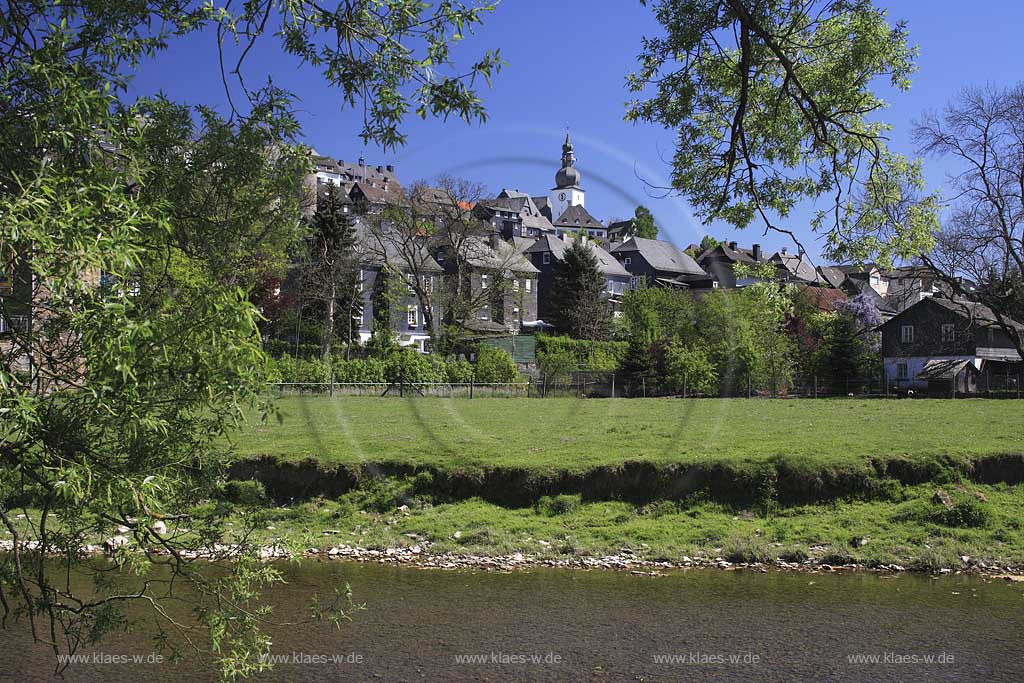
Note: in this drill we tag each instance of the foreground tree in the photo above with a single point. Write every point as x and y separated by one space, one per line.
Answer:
982 238
580 309
137 230
773 104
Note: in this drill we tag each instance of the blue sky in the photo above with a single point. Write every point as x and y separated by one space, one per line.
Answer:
567 62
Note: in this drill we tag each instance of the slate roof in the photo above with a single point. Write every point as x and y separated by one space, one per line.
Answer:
797 266
354 172
383 246
542 205
833 275
620 228
578 218
379 192
662 256
480 254
739 254
608 264
853 269
947 369
975 312
523 204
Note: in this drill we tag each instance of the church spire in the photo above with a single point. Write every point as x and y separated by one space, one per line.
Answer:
567 176
568 158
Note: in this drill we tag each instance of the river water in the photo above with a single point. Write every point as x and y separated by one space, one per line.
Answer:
559 625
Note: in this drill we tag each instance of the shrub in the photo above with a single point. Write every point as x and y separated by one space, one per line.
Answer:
659 508
385 494
495 366
966 511
412 367
300 370
459 371
552 506
746 550
244 492
359 370
690 369
582 354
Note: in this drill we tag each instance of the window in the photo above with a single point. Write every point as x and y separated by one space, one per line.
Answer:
907 334
627 261
483 282
485 313
412 317
545 258
515 313
634 282
359 284
515 284
529 284
902 371
876 280
948 332
410 279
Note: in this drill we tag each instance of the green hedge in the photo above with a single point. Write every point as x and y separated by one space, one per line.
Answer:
595 356
492 366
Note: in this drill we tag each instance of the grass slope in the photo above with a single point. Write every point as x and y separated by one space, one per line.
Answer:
576 435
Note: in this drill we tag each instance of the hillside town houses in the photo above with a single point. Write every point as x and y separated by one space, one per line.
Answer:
508 270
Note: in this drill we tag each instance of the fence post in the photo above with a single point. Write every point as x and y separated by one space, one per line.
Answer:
643 384
330 390
472 381
748 385
815 386
613 384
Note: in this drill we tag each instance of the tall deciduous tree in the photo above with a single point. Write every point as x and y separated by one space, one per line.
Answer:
774 105
141 226
982 238
577 293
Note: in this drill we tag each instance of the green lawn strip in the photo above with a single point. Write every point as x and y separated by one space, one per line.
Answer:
577 435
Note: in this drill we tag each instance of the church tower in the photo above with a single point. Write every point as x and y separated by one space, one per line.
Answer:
567 191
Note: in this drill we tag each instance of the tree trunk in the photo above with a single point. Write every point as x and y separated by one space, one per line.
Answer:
328 337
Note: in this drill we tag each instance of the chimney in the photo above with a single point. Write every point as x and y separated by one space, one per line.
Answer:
757 253
391 168
732 245
783 251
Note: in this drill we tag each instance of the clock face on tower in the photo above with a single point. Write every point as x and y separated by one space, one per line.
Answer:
562 196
